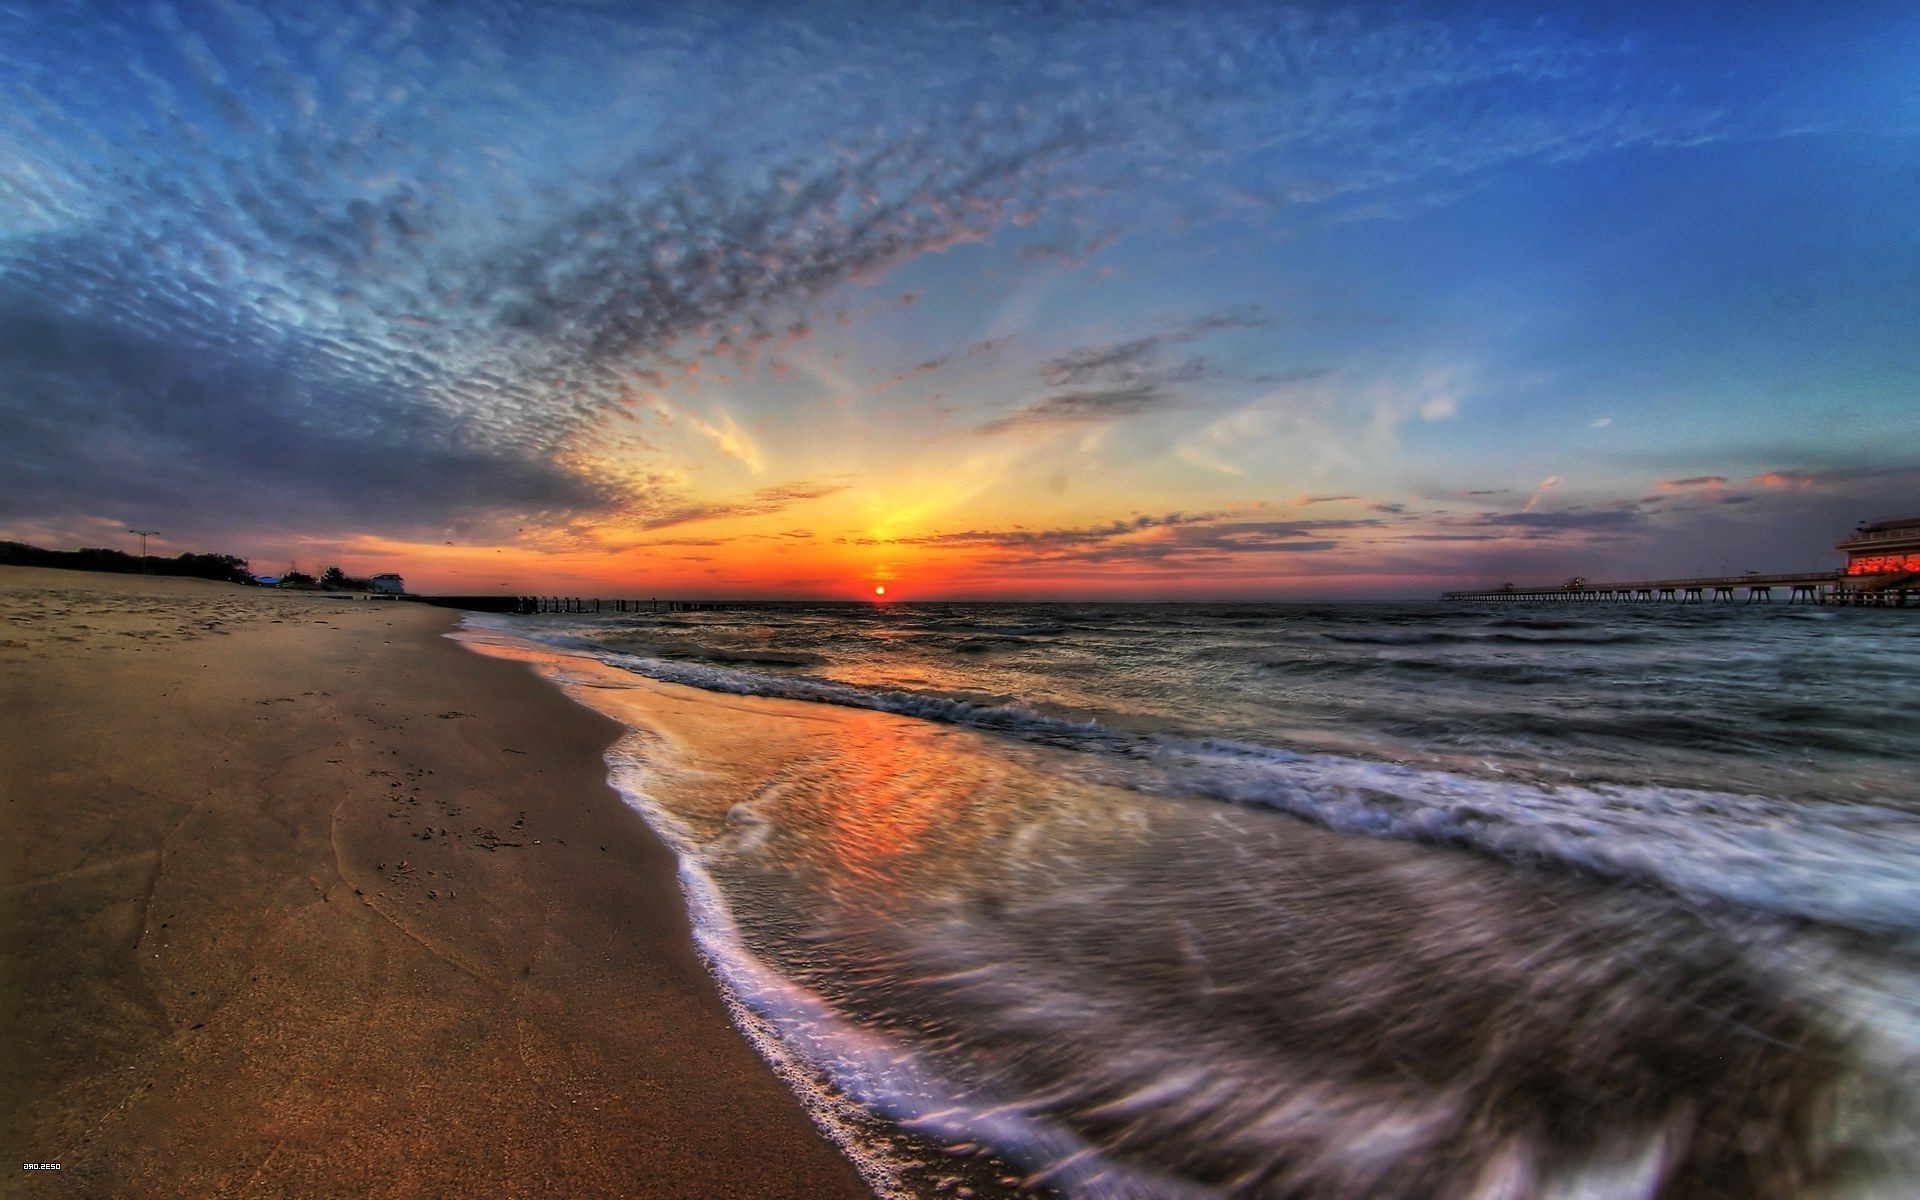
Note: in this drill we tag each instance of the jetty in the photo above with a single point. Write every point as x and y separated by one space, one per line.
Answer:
1882 570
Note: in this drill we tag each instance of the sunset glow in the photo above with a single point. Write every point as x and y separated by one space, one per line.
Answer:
1418 302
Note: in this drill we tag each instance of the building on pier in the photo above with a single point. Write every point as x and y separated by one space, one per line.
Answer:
1882 552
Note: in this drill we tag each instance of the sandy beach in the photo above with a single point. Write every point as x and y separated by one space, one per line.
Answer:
304 899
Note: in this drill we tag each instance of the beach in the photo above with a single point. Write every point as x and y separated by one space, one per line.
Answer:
315 896
1193 901
302 898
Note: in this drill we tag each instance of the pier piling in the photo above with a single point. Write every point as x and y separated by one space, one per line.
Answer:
1812 587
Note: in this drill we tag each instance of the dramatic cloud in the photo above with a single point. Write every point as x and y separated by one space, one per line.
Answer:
95 417
557 274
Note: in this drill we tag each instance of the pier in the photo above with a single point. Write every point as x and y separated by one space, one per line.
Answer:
1814 587
1882 571
533 605
575 604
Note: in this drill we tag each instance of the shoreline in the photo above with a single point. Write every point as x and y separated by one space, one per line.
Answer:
981 927
305 898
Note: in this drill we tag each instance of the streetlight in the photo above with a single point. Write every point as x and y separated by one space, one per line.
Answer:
143 535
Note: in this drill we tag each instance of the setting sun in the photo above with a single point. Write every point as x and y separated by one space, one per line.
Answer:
880 590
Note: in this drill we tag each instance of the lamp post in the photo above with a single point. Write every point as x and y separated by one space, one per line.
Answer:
143 535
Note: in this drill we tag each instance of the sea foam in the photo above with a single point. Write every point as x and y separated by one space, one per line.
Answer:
1845 865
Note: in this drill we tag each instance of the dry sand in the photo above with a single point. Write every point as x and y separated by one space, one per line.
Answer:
303 899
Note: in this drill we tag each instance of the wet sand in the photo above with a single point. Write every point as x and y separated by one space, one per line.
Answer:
301 898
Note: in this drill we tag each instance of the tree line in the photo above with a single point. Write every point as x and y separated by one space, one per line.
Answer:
226 568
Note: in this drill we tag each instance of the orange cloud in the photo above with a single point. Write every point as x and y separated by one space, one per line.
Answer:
1693 483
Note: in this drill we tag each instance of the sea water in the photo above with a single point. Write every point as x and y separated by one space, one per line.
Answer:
1301 901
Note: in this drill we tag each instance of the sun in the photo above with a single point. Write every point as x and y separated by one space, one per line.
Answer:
880 589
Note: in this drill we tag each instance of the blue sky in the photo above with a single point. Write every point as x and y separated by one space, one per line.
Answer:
1150 299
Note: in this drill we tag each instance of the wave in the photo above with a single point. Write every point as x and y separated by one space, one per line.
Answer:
1427 638
989 645
1842 865
1845 865
757 656
773 658
991 627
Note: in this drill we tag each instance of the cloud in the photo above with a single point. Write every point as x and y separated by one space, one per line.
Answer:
1572 520
1540 491
1889 478
1140 357
1175 539
1196 456
777 498
1113 380
1202 543
1081 408
1312 420
405 264
1303 501
983 350
1068 536
95 417
1692 483
1068 251
728 437
1794 480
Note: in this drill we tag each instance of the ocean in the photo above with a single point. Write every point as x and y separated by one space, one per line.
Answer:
1308 901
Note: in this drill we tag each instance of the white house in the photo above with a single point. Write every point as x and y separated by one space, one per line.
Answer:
387 584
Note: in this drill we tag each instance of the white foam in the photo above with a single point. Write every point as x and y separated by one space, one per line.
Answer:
1851 865
848 1079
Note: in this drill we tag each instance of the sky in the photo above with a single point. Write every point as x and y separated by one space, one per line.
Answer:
966 300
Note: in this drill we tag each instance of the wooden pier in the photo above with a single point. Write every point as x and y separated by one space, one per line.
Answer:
1808 587
532 605
577 604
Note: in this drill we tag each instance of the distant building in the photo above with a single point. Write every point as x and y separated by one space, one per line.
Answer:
388 584
1883 548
